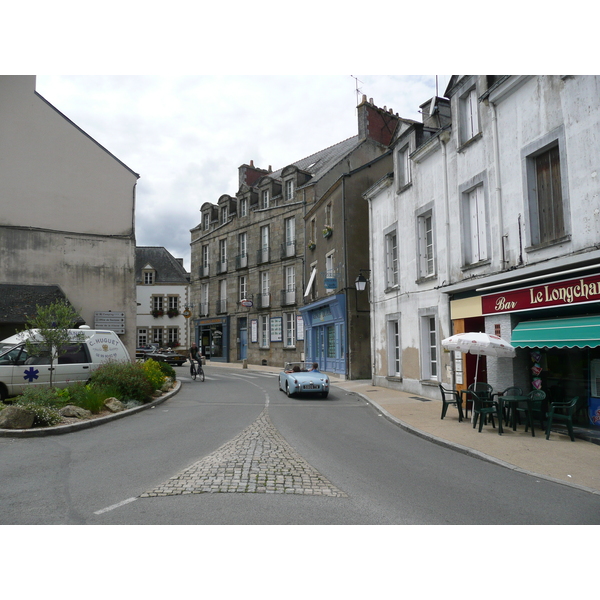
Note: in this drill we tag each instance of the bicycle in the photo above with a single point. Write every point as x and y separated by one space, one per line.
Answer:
197 371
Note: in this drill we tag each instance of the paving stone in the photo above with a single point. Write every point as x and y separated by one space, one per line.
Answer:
258 461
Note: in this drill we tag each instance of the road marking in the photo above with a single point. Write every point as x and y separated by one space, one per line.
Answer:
119 504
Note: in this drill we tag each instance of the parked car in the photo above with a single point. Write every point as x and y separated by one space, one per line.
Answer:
166 355
143 350
296 380
77 361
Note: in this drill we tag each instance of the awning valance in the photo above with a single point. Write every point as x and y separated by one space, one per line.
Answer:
576 332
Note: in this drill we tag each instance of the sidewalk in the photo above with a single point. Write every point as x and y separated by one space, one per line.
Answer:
559 459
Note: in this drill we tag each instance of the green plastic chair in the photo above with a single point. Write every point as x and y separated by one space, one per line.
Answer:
536 406
566 417
484 409
509 391
451 397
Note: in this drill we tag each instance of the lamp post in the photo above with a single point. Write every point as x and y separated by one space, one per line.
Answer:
360 284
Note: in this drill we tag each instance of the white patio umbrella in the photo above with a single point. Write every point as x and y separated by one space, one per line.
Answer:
479 343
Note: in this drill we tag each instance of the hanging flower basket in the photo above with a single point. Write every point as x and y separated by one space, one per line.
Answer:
327 231
311 245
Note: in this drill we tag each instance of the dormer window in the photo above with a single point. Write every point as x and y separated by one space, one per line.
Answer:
264 199
148 275
206 221
289 189
243 207
224 214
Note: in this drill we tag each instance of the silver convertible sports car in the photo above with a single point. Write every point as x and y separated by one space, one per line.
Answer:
296 380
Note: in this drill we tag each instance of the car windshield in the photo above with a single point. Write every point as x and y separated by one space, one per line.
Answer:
6 347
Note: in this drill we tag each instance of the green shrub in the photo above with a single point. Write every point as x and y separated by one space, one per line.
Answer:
167 370
45 416
154 373
129 380
40 396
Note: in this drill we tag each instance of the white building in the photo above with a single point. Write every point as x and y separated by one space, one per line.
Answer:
163 287
66 215
492 223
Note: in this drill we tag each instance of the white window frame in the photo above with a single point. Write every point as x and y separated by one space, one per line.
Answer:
142 337
224 215
223 255
172 334
290 330
243 287
263 331
394 342
404 166
243 207
243 249
290 236
157 335
264 243
264 199
204 299
206 221
430 365
222 295
426 243
329 214
289 189
392 273
265 292
469 115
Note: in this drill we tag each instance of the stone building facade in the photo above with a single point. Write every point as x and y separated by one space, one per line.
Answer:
248 253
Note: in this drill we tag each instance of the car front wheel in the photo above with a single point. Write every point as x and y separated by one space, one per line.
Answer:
287 390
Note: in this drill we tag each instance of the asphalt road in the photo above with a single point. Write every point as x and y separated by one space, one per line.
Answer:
294 461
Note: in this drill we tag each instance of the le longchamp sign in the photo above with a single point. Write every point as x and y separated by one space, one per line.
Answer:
560 293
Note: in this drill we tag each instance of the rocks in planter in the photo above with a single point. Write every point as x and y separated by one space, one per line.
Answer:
15 417
114 405
74 411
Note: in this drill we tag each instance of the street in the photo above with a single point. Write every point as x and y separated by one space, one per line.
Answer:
235 450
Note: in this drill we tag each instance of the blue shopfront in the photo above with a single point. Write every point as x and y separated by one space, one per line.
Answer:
325 333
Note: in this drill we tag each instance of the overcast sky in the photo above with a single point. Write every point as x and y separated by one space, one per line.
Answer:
186 136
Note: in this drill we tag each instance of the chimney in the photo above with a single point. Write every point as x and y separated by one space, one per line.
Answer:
249 174
379 124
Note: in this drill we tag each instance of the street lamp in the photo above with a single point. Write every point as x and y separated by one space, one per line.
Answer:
360 283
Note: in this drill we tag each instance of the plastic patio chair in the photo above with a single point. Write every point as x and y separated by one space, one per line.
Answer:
513 390
450 397
484 409
566 417
536 407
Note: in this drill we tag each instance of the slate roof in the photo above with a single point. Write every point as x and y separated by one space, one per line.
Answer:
18 302
168 269
320 163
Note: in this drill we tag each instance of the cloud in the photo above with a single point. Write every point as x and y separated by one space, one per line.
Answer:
187 135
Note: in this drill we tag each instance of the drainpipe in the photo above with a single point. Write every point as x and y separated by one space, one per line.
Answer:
370 292
498 185
444 139
346 344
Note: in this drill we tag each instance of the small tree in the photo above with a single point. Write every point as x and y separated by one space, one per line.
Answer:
52 323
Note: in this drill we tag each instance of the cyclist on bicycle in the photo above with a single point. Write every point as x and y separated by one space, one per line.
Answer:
194 356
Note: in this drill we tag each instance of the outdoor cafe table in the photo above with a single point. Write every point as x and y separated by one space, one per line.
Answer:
513 402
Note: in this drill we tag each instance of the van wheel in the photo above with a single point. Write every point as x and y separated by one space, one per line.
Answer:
3 393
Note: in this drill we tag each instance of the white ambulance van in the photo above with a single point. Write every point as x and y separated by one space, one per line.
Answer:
79 359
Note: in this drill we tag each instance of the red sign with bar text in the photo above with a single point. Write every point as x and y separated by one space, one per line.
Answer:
559 293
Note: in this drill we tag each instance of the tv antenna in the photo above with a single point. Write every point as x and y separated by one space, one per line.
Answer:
358 90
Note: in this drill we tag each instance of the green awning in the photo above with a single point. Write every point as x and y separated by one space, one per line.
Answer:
577 332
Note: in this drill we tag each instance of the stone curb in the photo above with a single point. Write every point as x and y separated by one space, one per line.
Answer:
62 429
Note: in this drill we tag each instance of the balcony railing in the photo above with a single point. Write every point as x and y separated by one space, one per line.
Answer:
288 249
221 267
288 296
262 256
204 271
204 309
263 300
241 261
222 306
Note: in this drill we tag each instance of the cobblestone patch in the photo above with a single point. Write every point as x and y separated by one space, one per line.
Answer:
258 461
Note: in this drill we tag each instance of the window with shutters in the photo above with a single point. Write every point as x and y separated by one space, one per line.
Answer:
477 238
469 115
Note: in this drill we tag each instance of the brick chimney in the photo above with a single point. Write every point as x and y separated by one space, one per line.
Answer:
249 174
376 123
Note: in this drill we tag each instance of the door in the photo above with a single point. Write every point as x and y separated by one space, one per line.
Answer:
243 338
